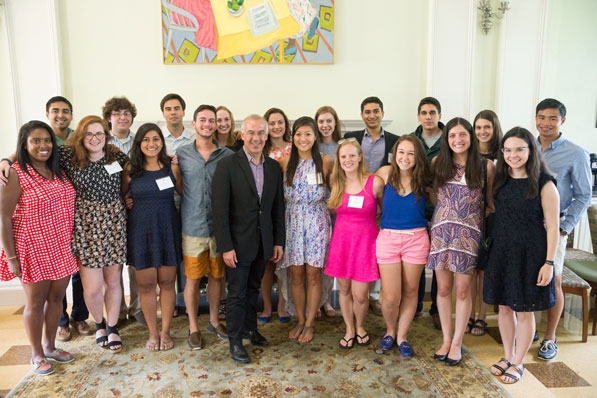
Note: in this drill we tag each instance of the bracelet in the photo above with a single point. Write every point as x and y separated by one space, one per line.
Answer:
10 258
7 159
549 262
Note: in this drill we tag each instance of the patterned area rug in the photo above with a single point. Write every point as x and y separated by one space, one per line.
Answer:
283 369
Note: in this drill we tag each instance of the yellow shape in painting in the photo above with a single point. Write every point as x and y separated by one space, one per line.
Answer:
234 32
326 18
169 58
188 52
261 57
229 60
310 45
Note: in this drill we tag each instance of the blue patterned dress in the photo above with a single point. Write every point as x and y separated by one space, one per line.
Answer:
308 226
456 226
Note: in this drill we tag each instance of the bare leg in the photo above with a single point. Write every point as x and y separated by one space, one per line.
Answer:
360 305
346 306
313 299
445 281
463 309
33 316
391 277
267 282
411 274
525 329
554 313
191 301
147 280
53 309
166 281
297 289
112 298
213 297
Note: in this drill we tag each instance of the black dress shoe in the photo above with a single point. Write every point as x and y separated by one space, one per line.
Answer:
239 354
439 357
452 362
256 338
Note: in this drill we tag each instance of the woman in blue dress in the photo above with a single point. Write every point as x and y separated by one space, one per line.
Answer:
153 230
308 225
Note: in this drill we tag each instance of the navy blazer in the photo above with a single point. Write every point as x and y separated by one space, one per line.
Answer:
390 140
241 219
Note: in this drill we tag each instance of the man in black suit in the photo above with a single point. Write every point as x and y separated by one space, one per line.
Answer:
248 213
376 144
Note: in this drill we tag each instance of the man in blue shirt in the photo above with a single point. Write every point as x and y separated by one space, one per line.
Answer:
570 164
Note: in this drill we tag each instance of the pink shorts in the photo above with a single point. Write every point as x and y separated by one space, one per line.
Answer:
394 246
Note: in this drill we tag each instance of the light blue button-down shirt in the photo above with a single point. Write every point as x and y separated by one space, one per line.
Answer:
373 151
570 163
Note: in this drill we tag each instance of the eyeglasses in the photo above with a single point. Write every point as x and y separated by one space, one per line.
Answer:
351 139
99 135
122 113
518 150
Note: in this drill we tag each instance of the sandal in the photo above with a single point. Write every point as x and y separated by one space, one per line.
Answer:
115 346
37 365
152 345
296 332
304 338
469 325
512 376
361 339
102 340
166 344
348 344
479 328
499 369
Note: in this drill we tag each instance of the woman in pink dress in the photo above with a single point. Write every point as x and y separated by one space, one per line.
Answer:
37 214
355 196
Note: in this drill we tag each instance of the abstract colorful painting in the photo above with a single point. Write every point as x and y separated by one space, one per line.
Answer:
248 31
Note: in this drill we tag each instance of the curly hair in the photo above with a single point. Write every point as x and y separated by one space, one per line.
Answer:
117 104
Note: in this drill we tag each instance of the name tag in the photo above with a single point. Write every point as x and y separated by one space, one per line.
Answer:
355 201
314 179
390 157
113 168
164 183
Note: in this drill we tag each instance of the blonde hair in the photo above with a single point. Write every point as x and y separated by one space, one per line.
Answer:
338 176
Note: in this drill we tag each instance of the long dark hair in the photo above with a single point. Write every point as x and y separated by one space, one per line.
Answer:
494 144
286 137
22 154
534 166
421 174
444 168
294 156
137 157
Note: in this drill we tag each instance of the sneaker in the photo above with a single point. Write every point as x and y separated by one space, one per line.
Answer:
59 355
195 341
82 327
220 330
548 349
63 333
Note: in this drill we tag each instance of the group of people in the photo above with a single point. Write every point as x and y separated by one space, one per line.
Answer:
302 205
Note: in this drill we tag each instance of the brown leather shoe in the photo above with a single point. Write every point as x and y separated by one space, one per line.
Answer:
195 341
63 333
82 327
375 307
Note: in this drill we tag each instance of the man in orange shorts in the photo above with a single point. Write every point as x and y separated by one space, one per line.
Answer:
198 162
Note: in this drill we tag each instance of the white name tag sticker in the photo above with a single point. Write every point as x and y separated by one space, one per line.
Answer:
355 201
113 168
164 183
313 180
390 158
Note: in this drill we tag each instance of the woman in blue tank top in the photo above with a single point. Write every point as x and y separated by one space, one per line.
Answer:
402 245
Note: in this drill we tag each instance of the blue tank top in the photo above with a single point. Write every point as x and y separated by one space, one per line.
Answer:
402 212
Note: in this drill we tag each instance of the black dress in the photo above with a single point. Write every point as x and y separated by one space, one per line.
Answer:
518 250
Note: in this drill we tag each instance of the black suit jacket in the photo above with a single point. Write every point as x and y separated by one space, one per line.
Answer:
241 220
390 140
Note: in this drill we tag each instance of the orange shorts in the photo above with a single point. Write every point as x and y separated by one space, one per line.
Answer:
200 257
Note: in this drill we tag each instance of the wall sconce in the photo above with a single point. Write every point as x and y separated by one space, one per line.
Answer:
487 14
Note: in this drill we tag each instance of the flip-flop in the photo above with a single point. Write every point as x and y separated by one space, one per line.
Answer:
166 345
152 345
361 338
348 344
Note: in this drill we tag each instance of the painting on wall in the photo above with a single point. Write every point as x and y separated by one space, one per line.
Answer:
248 31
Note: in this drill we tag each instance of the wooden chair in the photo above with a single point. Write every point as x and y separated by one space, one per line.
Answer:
584 265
